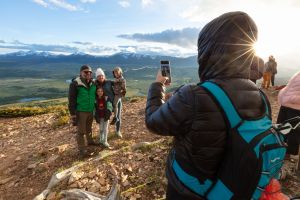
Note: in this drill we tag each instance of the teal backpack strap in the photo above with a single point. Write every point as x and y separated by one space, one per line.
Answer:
266 103
224 101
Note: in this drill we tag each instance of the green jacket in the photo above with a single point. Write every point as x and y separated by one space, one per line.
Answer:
81 96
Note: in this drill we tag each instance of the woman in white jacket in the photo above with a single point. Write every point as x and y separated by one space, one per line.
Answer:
289 100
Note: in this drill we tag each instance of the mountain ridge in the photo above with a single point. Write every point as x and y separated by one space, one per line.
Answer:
34 57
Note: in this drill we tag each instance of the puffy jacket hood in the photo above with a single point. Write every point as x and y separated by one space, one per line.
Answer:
225 47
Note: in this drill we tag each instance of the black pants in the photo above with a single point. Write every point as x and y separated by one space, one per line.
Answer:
293 138
172 194
273 79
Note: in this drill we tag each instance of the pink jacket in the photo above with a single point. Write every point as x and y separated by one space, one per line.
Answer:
290 95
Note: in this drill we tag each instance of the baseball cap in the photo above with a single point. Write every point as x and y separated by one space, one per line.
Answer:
84 67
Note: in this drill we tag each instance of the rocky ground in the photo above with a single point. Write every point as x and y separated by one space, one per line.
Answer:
31 151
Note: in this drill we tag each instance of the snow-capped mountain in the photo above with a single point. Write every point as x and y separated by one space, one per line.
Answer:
35 57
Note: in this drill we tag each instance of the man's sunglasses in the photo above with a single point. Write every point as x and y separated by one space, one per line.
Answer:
87 72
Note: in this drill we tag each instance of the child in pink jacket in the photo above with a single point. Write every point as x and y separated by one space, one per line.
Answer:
289 100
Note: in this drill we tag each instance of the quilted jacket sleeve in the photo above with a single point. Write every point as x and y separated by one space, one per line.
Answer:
72 97
173 117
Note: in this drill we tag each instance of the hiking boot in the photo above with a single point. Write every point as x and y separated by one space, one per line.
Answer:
119 134
113 122
105 144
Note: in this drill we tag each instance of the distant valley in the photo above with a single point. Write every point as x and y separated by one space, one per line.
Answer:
27 76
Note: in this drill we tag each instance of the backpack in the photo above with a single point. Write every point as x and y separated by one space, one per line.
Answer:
254 155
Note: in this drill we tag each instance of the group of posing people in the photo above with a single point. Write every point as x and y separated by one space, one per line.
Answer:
89 99
207 119
266 71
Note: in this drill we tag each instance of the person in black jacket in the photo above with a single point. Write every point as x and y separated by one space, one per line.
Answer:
192 116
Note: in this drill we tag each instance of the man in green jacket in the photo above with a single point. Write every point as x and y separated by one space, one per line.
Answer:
82 95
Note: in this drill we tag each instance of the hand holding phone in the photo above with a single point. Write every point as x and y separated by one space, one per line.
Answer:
166 70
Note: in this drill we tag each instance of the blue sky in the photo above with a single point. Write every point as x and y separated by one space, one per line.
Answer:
100 24
169 27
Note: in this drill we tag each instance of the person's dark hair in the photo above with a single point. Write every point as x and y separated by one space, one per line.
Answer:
101 89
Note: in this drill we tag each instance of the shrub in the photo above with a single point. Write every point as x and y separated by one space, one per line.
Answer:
62 120
22 111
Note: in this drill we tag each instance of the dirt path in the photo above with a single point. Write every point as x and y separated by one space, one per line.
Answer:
31 150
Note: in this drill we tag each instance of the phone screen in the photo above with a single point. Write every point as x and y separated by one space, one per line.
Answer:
166 69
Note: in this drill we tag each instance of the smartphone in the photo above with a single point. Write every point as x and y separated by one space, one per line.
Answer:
166 69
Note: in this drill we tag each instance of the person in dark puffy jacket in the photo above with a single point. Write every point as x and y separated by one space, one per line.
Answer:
192 116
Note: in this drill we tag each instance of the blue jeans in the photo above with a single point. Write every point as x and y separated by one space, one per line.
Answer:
103 130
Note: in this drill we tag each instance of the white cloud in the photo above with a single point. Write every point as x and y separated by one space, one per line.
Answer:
96 49
88 1
65 5
146 3
124 4
41 2
186 37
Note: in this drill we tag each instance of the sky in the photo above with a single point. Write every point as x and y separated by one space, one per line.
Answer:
162 27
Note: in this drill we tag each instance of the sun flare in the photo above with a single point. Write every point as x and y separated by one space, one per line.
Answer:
277 35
